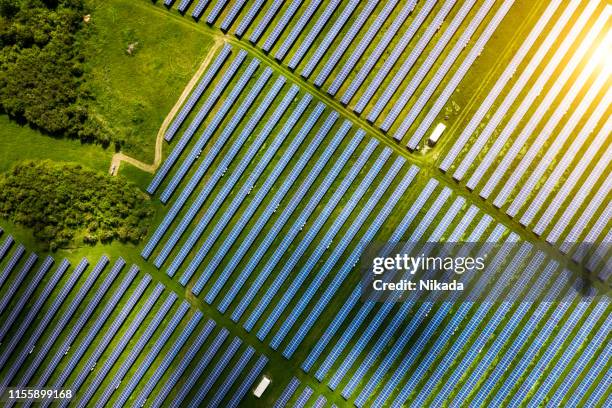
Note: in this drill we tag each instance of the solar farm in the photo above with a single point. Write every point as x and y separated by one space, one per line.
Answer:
308 137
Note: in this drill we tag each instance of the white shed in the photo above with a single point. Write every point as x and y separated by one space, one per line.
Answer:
261 387
435 135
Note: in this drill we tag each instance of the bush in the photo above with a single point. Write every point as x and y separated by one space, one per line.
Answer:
63 202
41 68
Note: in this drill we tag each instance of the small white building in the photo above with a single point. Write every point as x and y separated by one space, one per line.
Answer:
435 135
261 387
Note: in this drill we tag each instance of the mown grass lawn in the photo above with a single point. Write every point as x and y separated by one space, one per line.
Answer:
134 93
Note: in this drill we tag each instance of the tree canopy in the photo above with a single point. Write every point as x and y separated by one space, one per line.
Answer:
65 203
41 68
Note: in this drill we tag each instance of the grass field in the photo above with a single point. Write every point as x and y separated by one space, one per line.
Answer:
135 93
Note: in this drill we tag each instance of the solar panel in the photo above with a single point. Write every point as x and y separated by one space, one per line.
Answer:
330 36
375 323
366 307
347 38
288 392
169 357
406 335
500 257
10 265
64 318
460 73
320 402
6 245
578 170
367 237
248 184
214 13
400 17
306 43
284 20
202 364
216 372
202 168
316 255
231 378
537 343
248 382
297 29
345 240
231 183
142 368
284 217
360 48
514 92
199 9
560 166
137 348
228 103
507 333
578 227
553 347
16 282
248 18
183 6
26 322
142 312
176 152
262 193
524 165
509 72
265 21
186 360
569 352
404 67
601 363
198 91
484 334
232 14
303 398
78 325
523 108
25 296
321 219
101 319
287 211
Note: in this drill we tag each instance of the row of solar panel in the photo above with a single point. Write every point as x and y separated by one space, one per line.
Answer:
438 350
539 180
295 18
54 323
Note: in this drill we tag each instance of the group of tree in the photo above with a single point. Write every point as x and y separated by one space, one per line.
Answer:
64 203
41 68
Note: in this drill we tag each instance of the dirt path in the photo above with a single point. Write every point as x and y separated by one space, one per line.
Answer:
159 141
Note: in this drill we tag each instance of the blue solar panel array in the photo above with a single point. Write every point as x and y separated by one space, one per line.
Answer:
314 32
284 216
229 184
166 166
199 174
202 364
347 38
65 317
331 34
197 92
253 177
16 282
248 382
215 122
8 268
